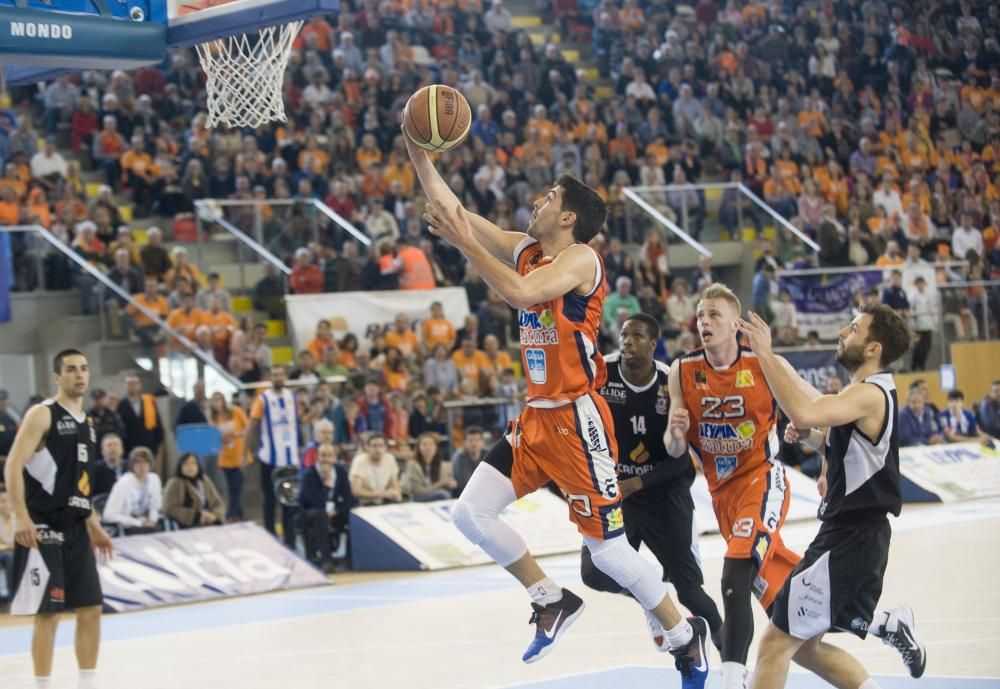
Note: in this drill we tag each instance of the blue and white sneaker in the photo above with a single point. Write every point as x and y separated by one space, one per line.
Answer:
551 622
692 660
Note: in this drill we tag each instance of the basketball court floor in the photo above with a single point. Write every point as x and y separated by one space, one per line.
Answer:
467 629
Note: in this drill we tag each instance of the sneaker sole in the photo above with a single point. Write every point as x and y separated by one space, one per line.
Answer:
559 634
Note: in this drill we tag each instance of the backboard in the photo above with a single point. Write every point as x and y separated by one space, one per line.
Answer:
40 39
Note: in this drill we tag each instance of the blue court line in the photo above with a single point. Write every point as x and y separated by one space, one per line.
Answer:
658 678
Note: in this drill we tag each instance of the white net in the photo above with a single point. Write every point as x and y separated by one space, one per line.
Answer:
246 74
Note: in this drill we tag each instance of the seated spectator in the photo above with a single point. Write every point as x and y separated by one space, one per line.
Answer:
326 500
322 432
131 281
894 295
988 411
373 408
155 257
306 277
49 168
110 467
958 423
403 337
426 477
196 409
785 317
497 359
374 474
141 325
269 293
621 297
190 498
394 371
322 340
104 412
305 371
137 497
223 326
465 460
426 417
108 147
186 319
917 424
182 268
469 361
214 289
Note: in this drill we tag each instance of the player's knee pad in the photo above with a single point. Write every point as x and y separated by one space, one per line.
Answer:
594 578
465 519
620 561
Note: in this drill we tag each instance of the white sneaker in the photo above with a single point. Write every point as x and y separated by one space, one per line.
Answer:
656 632
900 632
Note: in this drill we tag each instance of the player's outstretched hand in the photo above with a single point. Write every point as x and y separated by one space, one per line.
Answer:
796 435
101 541
758 333
680 422
450 225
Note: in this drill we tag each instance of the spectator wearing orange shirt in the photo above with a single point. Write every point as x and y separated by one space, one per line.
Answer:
322 340
402 336
182 268
399 170
415 270
145 328
893 256
498 359
437 329
141 175
470 362
397 378
108 149
222 324
186 319
306 277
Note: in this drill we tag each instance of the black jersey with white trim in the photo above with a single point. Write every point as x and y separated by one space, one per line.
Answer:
57 478
862 474
640 416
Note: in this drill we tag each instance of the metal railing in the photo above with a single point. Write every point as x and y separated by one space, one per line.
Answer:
225 381
688 215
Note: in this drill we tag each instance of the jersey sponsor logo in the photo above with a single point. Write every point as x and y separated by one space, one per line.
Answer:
595 437
83 485
859 625
538 329
50 537
725 467
535 360
662 405
723 438
614 393
639 453
760 548
66 427
633 469
744 379
81 503
57 595
614 519
701 379
759 586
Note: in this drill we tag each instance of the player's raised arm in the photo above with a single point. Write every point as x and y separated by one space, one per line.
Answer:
573 269
500 243
678 423
792 393
29 437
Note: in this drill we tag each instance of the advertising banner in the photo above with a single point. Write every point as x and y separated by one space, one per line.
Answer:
960 471
200 564
823 302
816 366
368 313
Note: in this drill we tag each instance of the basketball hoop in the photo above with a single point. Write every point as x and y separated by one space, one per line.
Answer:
245 76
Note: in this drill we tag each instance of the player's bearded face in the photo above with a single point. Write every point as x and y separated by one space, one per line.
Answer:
851 347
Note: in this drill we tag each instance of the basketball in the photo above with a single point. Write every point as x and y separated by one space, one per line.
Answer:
437 118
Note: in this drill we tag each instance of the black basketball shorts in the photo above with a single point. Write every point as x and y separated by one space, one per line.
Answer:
838 583
60 574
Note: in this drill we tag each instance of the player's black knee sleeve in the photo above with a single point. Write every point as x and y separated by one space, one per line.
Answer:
737 632
701 604
594 577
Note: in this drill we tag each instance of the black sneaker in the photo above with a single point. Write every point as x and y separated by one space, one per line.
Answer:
900 632
551 621
692 660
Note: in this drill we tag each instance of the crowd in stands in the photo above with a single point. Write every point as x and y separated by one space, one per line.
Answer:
873 129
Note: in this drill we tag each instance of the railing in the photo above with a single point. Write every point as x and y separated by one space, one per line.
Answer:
216 376
692 221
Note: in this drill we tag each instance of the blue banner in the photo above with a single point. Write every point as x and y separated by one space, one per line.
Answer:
823 302
816 366
200 564
6 276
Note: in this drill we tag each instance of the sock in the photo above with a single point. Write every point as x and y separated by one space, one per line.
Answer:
681 635
869 684
877 627
87 679
43 682
734 675
545 592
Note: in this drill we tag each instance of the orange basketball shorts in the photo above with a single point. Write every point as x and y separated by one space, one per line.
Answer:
750 510
574 447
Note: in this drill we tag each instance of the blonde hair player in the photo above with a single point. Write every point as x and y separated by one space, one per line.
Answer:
566 433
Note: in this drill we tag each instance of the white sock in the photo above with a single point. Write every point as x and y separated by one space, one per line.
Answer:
734 675
869 684
877 627
43 682
679 636
87 679
545 592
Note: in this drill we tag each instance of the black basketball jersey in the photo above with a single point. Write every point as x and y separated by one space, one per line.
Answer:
640 416
57 478
862 474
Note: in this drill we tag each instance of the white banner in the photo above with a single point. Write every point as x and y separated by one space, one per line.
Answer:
424 530
960 471
367 313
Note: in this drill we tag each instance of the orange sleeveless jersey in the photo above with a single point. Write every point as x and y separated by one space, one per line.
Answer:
559 337
733 415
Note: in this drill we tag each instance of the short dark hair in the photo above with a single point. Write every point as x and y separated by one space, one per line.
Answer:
591 210
652 327
890 330
472 430
58 360
956 395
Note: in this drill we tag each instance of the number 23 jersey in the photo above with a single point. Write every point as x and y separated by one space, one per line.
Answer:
733 415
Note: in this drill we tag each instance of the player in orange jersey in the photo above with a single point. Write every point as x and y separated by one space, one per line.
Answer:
566 434
722 410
